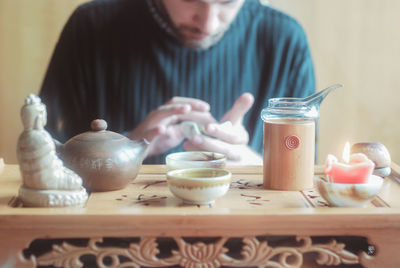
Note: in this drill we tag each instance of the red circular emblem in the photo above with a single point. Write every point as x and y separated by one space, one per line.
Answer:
292 142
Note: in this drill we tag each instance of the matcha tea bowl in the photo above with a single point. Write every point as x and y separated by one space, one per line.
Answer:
195 159
199 186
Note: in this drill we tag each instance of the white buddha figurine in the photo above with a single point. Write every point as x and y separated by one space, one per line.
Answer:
46 182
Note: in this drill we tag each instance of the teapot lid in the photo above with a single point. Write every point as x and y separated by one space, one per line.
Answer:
99 133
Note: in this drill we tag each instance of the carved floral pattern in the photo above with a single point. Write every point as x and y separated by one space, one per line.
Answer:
197 255
139 254
200 255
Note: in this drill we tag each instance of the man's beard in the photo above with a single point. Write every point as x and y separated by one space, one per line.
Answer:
200 44
162 18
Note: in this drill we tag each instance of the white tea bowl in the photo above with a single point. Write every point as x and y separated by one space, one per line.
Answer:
200 186
195 159
349 195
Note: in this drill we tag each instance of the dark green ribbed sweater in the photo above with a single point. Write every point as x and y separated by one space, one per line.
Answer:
113 61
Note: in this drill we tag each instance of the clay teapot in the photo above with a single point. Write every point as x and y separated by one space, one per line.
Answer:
104 159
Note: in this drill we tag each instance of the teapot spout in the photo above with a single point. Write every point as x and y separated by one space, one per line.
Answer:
143 147
316 99
146 146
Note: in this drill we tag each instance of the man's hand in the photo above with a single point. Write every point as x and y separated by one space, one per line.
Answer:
228 138
161 127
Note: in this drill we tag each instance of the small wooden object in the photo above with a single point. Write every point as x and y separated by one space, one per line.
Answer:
378 153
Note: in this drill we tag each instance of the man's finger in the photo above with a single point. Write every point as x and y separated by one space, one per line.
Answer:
203 143
201 118
196 104
168 110
154 132
228 133
239 108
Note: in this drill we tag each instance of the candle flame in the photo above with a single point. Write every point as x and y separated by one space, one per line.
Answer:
346 153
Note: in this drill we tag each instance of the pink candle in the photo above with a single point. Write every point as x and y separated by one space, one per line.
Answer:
356 168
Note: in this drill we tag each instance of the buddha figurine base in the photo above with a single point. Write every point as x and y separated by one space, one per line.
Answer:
52 198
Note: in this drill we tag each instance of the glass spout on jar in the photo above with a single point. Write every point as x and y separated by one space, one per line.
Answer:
289 141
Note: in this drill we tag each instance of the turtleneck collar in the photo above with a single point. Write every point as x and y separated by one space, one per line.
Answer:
160 15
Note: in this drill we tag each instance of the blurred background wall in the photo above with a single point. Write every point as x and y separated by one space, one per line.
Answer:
29 30
353 42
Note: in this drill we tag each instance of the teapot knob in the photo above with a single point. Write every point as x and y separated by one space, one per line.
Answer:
98 125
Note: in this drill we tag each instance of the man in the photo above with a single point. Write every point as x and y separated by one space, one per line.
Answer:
146 66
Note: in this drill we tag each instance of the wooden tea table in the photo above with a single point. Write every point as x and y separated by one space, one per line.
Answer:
145 225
